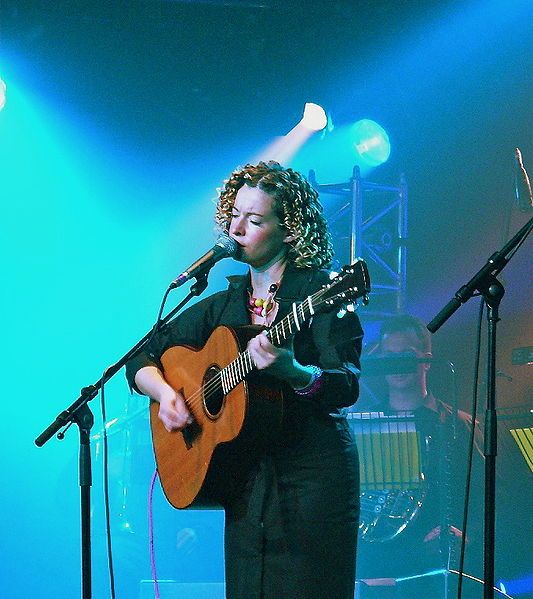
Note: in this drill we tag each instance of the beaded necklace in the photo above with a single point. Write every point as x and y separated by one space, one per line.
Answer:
263 306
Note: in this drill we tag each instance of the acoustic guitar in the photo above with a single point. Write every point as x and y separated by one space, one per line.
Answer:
236 412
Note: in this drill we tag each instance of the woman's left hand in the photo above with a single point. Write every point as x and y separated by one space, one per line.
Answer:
278 361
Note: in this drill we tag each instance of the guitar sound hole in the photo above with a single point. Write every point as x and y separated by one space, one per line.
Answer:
213 394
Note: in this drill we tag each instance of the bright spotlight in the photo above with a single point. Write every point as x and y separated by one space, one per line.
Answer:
3 89
284 148
314 117
371 142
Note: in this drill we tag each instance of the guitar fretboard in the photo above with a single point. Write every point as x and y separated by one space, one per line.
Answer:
236 371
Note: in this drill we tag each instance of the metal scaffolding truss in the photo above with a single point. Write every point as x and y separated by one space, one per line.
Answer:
369 220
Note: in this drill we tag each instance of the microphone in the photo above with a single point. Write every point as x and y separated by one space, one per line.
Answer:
522 186
225 247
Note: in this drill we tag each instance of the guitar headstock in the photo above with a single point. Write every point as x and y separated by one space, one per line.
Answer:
346 287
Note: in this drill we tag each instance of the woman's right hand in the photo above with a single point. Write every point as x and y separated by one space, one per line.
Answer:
173 411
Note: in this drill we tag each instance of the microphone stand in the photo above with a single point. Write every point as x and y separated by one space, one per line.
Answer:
485 283
79 413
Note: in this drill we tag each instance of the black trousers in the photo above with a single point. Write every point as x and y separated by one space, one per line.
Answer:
293 533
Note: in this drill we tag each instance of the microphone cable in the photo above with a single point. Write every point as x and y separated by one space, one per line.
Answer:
105 474
468 480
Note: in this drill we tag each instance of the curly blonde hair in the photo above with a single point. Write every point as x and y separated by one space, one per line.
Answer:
296 204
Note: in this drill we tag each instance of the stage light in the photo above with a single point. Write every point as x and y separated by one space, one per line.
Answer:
314 117
3 89
370 141
284 148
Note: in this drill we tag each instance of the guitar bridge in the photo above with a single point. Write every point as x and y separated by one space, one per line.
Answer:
190 433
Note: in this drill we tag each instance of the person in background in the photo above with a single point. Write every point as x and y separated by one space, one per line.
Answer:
444 434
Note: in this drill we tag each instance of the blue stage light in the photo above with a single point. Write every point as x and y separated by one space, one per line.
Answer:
370 142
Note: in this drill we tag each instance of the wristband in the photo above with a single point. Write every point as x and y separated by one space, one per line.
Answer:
314 384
